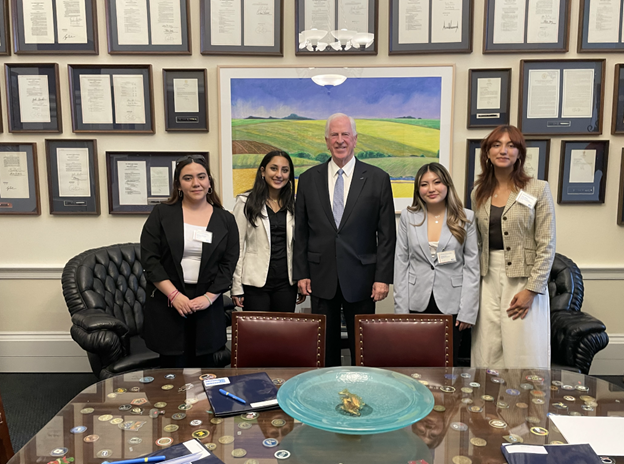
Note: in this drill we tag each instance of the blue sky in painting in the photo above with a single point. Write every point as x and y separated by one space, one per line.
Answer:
363 98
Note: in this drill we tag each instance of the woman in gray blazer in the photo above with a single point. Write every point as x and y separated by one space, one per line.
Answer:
436 264
265 218
516 222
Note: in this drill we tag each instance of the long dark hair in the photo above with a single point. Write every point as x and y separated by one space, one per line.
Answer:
211 198
259 193
486 182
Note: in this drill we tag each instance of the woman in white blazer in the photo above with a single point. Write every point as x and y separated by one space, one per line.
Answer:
436 264
266 223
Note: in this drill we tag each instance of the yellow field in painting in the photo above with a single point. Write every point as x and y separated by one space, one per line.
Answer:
402 188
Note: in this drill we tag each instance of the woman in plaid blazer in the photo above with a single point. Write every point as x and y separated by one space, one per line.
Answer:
516 228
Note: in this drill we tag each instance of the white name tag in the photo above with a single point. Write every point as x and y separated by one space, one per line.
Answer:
446 257
530 449
526 199
203 236
213 382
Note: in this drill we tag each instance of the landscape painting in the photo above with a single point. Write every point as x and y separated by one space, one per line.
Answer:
402 115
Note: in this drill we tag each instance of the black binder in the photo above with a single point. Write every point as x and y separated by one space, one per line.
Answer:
556 454
256 389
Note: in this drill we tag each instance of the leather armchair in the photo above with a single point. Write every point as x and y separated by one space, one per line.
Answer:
104 289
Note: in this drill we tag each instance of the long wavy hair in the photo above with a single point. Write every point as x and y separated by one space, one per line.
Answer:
456 219
486 182
212 197
259 193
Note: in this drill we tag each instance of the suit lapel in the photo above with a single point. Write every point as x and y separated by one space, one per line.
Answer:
323 191
357 184
217 226
266 223
510 201
173 225
423 236
445 235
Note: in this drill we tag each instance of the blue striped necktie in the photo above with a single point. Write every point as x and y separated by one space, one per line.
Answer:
338 203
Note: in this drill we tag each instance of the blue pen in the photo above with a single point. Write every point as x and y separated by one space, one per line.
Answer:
139 460
234 397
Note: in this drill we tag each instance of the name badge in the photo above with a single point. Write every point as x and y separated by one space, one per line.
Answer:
526 199
203 236
445 257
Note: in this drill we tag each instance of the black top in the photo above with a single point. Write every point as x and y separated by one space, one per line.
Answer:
278 234
496 232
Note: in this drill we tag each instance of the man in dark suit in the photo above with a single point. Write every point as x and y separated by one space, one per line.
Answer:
344 235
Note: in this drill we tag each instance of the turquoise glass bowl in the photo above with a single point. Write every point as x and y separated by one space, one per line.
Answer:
392 400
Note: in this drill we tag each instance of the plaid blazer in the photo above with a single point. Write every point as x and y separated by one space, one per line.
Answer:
528 235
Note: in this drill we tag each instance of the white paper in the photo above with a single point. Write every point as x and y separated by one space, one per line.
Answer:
509 21
578 93
132 22
34 99
604 434
96 99
38 22
13 174
320 14
166 22
413 21
353 15
73 172
131 178
604 21
582 166
225 22
259 23
129 99
543 93
446 21
543 21
531 164
71 20
159 181
525 449
185 96
488 93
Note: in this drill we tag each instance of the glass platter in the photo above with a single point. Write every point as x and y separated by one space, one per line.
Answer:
392 400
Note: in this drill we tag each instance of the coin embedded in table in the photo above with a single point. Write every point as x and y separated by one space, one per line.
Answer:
567 387
278 422
587 407
57 452
497 380
126 425
125 407
135 441
474 384
120 390
467 390
575 413
512 438
282 454
416 376
249 416
593 404
556 442
105 417
538 401
136 410
465 375
554 388
459 426
502 404
91 438
492 372
216 420
587 398
192 400
582 388
512 392
439 408
178 416
487 397
462 460
424 382
239 452
526 386
541 431
569 398
185 387
557 383
226 439
185 407
252 461
478 441
146 379
112 395
116 421
467 400
522 405
79 429
539 393
160 404
170 376
164 441
200 434
278 382
446 389
270 442
135 389
105 453
475 408
245 425
559 406
86 410
138 401
533 420
498 424
167 387
208 376
196 422
171 427
211 446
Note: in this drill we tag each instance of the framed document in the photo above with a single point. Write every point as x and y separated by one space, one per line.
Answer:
112 98
620 210
5 47
73 184
600 26
561 97
583 172
33 98
148 27
239 27
430 26
617 119
139 180
19 179
55 27
521 26
186 104
489 97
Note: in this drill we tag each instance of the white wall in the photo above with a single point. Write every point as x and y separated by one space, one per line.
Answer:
33 250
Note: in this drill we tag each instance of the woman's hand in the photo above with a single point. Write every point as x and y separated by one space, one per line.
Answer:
203 301
182 305
462 325
520 304
300 298
238 301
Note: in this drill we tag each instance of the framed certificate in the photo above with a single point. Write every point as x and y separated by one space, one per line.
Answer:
55 27
583 172
238 27
600 26
617 118
620 210
561 97
73 184
488 97
139 180
186 103
5 46
521 26
33 97
19 179
112 98
430 26
148 27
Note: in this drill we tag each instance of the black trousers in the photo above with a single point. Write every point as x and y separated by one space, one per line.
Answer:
282 299
331 310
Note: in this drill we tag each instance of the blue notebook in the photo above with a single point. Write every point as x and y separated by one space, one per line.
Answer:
256 389
549 454
187 448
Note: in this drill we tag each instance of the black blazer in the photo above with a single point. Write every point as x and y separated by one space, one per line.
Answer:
162 247
361 250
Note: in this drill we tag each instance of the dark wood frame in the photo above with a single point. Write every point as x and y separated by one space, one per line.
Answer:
620 210
562 46
62 205
171 122
601 155
33 178
373 6
617 116
13 106
583 46
5 41
505 103
278 33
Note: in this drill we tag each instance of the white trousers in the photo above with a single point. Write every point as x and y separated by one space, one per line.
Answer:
498 341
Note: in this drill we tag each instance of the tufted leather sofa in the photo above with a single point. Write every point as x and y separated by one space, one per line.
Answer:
104 289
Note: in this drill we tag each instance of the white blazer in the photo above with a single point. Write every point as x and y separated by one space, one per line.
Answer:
455 285
255 247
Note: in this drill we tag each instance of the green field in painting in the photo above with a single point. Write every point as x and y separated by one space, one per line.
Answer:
431 123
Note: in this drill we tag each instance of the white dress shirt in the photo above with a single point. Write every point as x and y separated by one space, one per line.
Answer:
332 175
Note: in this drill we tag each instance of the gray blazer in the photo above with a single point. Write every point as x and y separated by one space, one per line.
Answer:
455 286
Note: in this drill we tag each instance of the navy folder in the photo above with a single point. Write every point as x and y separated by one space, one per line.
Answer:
556 454
187 448
256 389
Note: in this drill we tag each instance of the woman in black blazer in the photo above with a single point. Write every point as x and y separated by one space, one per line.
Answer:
189 250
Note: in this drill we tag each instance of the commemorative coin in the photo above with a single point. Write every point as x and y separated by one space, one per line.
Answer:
497 380
439 408
171 428
178 416
160 404
538 401
87 410
135 441
196 422
104 453
146 379
170 376
513 438
474 384
462 460
116 421
164 441
125 407
447 389
478 441
58 452
492 372
211 446
541 431
105 417
248 416
202 433
244 425
216 420
278 382
167 387
526 386
467 400
467 390
498 424
79 429
91 438
279 422
569 398
239 453
282 454
522 405
226 439
459 426
416 376
502 404
512 392
475 408
269 442
487 397
465 375
138 401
